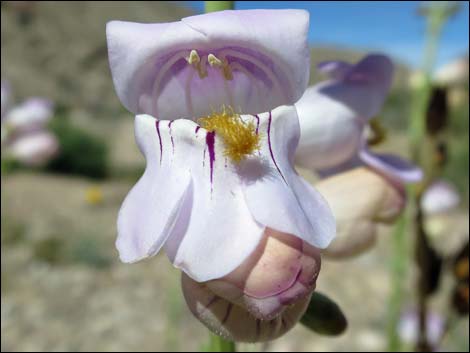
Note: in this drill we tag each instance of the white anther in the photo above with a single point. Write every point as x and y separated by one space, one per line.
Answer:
193 57
214 61
220 64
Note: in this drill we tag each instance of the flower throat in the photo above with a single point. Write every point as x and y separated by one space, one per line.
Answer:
240 138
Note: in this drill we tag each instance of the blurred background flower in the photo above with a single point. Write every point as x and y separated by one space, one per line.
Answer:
408 328
25 137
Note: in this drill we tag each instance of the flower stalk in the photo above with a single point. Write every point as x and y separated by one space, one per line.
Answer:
423 146
219 344
398 266
211 6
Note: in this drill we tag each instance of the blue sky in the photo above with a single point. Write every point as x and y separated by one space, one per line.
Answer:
393 28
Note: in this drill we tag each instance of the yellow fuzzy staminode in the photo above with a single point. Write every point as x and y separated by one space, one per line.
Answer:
240 137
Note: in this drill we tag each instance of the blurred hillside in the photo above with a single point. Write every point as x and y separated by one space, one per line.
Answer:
58 49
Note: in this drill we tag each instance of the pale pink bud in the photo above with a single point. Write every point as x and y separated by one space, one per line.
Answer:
360 200
264 297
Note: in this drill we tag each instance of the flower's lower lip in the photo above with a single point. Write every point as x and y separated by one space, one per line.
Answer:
297 290
282 288
269 307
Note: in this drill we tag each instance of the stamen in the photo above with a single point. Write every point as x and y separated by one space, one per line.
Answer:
214 61
221 64
239 137
193 57
195 61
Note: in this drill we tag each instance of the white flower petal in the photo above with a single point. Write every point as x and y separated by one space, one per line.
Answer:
220 232
334 113
277 197
330 132
266 51
190 200
150 210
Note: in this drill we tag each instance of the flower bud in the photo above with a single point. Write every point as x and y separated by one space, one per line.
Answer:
264 297
360 200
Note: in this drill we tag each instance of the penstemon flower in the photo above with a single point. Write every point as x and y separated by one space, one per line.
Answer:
334 115
24 135
215 121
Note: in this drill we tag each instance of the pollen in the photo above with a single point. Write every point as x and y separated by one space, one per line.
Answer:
239 137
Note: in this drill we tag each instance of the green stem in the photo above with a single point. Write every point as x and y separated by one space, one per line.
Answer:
398 266
211 6
218 344
422 148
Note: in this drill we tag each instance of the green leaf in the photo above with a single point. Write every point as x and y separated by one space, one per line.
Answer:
324 316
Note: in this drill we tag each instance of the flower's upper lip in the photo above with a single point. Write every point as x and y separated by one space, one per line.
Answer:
264 52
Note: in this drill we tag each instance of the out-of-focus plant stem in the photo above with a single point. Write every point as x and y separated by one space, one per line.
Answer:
211 6
422 148
217 343
398 266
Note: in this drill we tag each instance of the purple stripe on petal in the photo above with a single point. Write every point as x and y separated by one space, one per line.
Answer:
171 136
197 129
157 125
257 124
210 142
271 149
204 156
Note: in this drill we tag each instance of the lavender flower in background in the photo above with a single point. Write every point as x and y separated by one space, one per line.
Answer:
334 115
445 224
24 133
334 118
408 328
6 97
215 190
439 197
